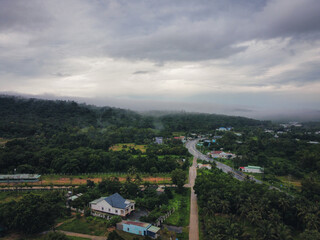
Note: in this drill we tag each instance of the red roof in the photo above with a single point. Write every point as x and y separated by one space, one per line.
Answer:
217 152
140 224
241 167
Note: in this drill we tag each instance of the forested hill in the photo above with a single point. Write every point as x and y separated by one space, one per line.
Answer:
20 117
205 122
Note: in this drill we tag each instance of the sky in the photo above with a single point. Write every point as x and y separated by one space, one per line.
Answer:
255 58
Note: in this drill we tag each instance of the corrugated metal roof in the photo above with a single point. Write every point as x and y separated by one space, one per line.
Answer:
254 167
140 224
153 229
19 176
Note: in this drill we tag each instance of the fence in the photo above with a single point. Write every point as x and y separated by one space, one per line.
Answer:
20 189
162 218
106 173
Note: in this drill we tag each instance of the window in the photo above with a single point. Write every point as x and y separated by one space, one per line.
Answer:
128 229
109 210
131 207
116 211
102 208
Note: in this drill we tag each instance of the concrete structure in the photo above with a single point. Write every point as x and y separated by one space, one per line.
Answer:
251 169
114 204
139 228
20 178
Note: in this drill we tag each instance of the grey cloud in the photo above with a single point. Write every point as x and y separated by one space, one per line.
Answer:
244 110
59 74
141 72
308 72
23 15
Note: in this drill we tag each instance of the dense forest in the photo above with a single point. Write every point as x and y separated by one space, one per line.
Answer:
42 136
231 209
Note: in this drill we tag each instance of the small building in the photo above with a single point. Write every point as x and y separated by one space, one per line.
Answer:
251 169
139 228
19 178
114 204
182 138
207 166
159 140
221 154
74 197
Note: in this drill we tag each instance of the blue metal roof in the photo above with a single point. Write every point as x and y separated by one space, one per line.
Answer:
116 201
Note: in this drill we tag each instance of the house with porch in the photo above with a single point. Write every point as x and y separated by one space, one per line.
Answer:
114 204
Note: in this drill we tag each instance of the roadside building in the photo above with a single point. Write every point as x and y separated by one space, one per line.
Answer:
114 204
139 228
221 154
19 178
251 169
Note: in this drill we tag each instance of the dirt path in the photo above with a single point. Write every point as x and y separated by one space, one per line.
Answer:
83 235
194 224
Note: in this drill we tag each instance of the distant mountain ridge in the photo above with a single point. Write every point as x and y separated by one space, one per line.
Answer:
28 116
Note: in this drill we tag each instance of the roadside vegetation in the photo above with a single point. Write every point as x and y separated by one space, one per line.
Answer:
231 209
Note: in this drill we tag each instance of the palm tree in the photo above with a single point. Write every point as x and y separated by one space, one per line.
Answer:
282 232
284 205
265 231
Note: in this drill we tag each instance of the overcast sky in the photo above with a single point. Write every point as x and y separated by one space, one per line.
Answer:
256 58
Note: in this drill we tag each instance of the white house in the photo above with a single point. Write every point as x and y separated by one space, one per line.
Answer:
251 169
114 204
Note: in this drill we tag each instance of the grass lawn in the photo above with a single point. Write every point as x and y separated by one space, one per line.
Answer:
181 204
127 146
128 236
291 181
91 226
184 235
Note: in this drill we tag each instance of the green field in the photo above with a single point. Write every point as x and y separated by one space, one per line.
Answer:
127 146
181 204
90 225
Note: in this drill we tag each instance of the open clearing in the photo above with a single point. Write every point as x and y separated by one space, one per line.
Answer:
127 146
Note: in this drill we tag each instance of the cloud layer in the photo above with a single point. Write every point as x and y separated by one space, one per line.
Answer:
239 54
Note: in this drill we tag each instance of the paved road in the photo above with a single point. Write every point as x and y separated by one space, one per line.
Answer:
194 224
191 145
